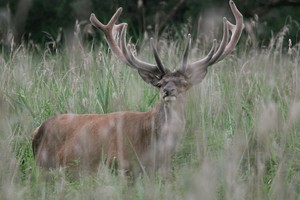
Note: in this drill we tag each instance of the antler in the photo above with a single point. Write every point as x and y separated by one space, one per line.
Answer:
225 47
150 72
122 50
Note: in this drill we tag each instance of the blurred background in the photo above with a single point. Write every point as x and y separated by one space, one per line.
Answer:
53 22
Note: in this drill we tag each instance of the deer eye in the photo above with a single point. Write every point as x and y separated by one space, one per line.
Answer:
159 84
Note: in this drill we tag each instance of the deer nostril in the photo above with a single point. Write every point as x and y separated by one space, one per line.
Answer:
168 91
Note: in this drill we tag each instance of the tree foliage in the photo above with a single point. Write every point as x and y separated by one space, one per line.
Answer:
40 20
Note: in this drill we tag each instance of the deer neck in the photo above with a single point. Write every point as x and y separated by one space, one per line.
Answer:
169 118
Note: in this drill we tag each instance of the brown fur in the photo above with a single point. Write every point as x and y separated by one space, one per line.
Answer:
129 140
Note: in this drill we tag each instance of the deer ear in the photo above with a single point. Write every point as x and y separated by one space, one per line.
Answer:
149 77
196 75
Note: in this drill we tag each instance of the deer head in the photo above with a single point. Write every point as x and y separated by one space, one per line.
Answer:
172 84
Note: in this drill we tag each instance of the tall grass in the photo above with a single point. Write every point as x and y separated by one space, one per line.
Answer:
242 138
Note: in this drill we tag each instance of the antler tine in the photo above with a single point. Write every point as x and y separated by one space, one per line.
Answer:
207 58
156 57
223 43
236 29
115 17
225 47
186 53
124 48
110 24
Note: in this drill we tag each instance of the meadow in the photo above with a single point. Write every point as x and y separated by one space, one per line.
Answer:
242 137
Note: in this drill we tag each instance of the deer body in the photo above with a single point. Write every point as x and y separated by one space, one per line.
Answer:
131 141
128 140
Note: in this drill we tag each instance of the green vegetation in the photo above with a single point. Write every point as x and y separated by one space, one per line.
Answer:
41 20
242 138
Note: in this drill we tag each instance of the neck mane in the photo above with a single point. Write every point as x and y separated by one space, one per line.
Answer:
168 121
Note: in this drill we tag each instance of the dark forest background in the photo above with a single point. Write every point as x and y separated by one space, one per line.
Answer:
45 21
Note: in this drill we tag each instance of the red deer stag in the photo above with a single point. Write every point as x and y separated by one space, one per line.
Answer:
131 141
